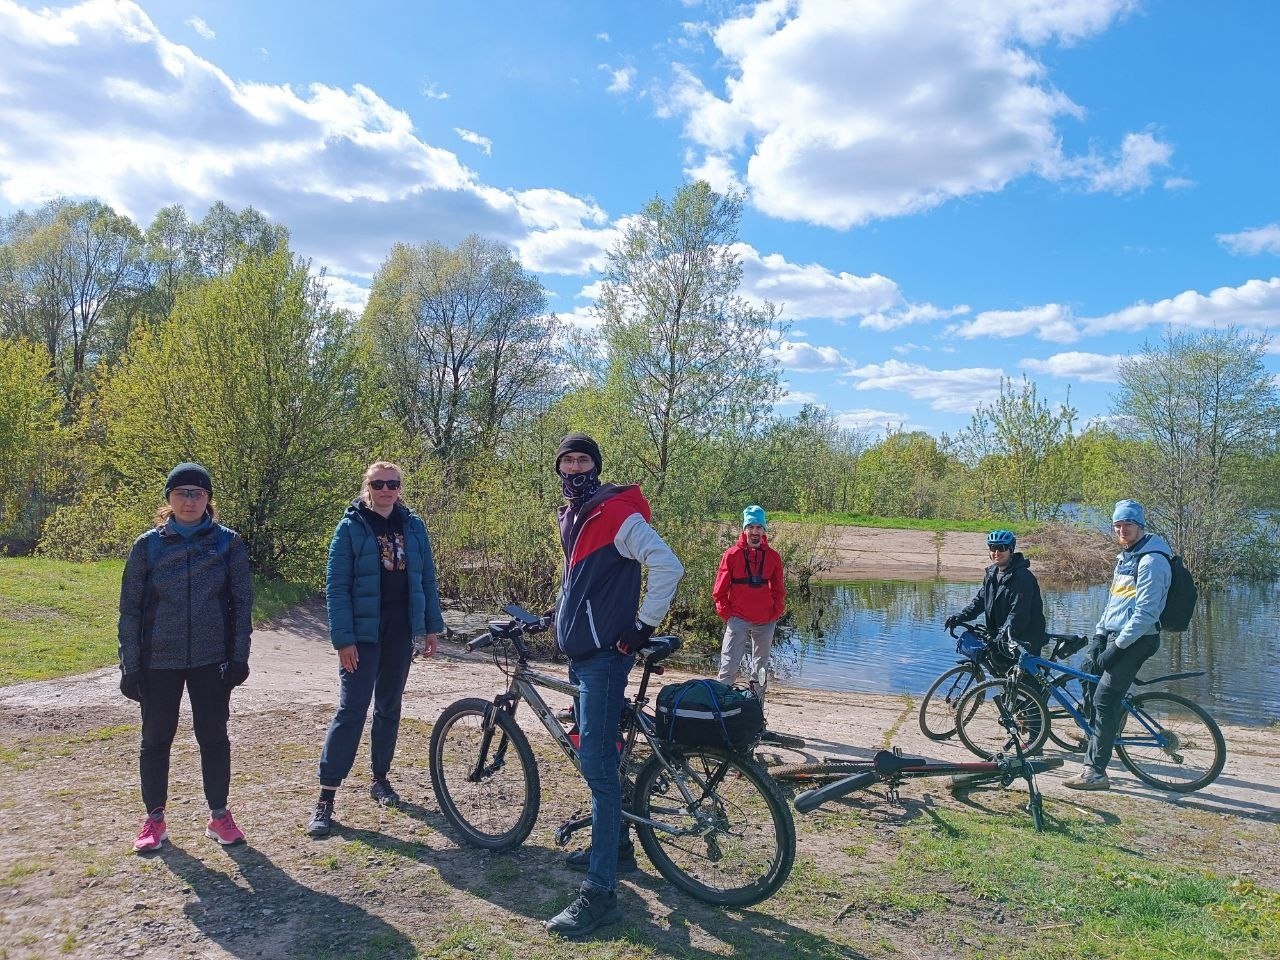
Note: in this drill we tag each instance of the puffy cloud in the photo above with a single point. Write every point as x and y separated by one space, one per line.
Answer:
797 398
912 313
1077 366
955 391
1253 241
200 27
1254 304
804 357
1052 321
872 421
812 290
475 139
849 110
620 80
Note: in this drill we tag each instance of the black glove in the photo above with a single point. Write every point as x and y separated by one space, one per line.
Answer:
635 638
131 685
1109 656
234 673
951 622
1099 639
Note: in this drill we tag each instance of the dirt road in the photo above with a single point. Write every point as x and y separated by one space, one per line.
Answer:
904 554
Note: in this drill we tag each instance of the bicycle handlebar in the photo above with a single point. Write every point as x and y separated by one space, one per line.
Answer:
478 643
812 799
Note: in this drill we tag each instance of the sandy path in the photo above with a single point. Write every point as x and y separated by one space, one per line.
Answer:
904 554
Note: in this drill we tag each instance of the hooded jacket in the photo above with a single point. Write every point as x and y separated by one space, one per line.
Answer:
1011 596
1139 587
185 602
353 579
736 596
606 544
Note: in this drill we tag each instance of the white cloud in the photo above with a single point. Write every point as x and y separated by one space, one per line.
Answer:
806 358
202 28
475 139
872 421
432 91
1077 366
620 80
1253 305
1253 241
955 391
157 124
346 293
1052 321
602 37
912 313
847 110
797 398
812 290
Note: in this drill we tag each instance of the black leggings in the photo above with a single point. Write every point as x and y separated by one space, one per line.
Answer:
210 708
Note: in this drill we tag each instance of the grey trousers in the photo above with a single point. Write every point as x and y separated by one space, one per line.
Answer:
754 640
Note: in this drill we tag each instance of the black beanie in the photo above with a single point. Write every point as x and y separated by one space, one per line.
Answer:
188 475
579 443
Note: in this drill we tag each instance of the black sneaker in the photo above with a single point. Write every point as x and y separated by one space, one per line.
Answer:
581 859
587 912
384 793
321 819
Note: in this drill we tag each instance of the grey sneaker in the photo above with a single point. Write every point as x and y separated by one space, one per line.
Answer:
321 820
588 911
581 859
384 793
1088 779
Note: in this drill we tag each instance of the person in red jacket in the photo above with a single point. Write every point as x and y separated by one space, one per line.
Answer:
750 594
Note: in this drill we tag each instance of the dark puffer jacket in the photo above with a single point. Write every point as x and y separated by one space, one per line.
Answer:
353 579
185 602
1011 596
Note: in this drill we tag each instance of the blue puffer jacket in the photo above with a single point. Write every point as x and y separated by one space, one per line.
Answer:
353 579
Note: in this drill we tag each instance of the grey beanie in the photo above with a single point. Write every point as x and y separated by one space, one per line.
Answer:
188 475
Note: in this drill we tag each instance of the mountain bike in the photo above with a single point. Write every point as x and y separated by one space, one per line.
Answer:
983 657
710 819
1165 739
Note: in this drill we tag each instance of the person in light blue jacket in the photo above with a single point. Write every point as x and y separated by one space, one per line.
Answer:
1126 636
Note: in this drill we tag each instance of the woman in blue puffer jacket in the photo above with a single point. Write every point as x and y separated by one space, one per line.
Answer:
384 607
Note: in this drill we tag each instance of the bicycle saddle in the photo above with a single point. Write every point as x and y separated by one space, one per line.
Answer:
887 762
658 649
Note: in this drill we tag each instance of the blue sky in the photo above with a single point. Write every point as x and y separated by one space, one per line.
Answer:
939 193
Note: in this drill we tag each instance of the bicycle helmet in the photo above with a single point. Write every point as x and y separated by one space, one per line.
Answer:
1001 538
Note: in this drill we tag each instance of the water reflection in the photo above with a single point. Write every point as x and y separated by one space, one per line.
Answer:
880 636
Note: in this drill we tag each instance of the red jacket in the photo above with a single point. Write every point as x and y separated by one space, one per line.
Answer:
733 593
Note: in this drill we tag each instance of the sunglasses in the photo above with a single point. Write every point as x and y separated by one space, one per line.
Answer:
999 549
389 484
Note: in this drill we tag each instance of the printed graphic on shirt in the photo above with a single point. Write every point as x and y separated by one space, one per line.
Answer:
391 549
1125 586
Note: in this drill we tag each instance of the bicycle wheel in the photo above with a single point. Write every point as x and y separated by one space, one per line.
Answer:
733 842
981 725
1185 753
938 708
1063 729
496 806
810 773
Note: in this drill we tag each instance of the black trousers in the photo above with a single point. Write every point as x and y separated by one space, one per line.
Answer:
210 708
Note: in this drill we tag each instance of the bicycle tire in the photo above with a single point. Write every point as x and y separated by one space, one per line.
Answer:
735 845
980 727
964 781
938 708
498 811
1193 731
1063 729
808 773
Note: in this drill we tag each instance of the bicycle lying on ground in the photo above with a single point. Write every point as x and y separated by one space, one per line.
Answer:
1165 740
983 658
711 820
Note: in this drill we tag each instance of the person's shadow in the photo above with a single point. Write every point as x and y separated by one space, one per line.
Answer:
277 916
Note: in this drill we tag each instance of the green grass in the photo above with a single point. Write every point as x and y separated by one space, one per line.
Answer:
59 618
899 523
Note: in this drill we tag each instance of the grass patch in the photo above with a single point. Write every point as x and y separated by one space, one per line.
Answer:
59 618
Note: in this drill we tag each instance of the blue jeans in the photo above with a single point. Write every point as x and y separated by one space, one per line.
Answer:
1105 707
602 687
380 676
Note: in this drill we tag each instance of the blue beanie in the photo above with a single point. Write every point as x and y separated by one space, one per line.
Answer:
1130 510
753 515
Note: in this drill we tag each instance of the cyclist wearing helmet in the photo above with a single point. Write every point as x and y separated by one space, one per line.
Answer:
1009 596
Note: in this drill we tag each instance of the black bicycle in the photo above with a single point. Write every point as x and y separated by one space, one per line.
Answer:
711 820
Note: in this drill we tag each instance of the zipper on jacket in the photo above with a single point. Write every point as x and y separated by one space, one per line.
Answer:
591 624
187 543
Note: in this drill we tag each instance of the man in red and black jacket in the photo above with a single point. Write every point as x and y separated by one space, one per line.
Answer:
600 622
751 595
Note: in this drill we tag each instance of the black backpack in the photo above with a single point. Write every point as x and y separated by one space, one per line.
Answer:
707 713
1180 604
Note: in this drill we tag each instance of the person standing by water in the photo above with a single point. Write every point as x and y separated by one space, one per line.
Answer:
1009 598
384 607
750 594
186 618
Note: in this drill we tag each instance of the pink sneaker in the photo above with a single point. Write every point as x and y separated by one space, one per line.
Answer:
224 830
153 833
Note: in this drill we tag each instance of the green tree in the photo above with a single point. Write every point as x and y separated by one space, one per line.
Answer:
466 341
1018 452
903 475
29 408
687 361
1191 405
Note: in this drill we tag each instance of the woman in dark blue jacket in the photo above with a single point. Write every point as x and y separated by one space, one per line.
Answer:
384 606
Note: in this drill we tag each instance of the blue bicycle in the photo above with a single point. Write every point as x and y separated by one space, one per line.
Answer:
1165 740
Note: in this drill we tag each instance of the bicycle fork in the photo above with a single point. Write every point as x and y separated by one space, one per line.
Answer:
482 770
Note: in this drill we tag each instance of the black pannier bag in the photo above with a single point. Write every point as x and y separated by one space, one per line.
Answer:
707 713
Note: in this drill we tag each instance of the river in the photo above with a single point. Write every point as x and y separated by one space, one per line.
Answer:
882 636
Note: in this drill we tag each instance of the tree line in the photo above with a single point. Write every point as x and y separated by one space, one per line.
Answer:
124 350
